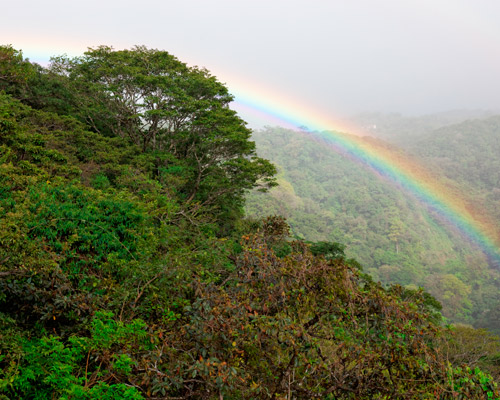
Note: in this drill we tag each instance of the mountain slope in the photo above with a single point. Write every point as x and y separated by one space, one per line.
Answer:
326 196
123 277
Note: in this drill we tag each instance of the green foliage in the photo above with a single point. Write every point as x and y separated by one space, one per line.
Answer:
463 147
469 384
15 72
49 367
327 198
160 104
301 326
464 345
328 250
127 272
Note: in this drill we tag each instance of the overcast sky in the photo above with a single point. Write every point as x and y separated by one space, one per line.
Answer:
339 57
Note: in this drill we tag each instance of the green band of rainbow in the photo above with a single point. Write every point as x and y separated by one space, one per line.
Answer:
424 184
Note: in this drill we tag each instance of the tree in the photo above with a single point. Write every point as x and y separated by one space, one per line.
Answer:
14 70
463 344
452 293
180 113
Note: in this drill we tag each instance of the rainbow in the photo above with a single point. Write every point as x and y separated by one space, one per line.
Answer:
439 196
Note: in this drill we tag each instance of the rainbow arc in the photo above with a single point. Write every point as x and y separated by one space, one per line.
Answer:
464 213
440 196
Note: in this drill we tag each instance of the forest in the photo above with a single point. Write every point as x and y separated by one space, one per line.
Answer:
326 196
130 270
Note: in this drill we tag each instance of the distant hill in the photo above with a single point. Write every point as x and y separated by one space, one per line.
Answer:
468 152
326 196
405 130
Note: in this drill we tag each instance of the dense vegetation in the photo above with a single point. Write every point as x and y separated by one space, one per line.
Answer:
464 148
127 270
328 197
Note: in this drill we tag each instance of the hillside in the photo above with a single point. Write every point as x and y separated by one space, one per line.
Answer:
128 270
467 153
405 131
326 196
463 145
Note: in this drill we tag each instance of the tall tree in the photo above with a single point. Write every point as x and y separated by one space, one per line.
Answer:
15 71
163 106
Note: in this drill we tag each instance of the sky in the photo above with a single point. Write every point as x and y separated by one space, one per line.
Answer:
283 57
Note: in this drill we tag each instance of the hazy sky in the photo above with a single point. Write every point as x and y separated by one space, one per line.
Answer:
334 57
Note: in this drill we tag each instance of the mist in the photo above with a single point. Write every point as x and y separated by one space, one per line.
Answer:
339 58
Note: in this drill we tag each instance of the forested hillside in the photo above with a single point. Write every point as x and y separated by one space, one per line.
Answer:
404 131
326 196
467 153
128 270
